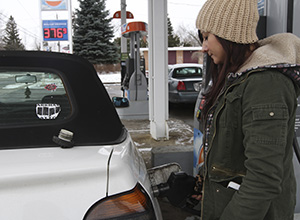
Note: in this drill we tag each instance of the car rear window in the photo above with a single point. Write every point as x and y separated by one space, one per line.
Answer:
31 97
185 72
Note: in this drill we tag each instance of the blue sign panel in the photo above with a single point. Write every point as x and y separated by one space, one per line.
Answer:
55 30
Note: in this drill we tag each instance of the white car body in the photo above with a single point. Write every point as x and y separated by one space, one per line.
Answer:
92 170
61 184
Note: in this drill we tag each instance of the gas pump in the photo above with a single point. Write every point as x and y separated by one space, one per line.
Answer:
134 83
134 103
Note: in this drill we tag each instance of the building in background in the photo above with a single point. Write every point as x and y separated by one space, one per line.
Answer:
178 55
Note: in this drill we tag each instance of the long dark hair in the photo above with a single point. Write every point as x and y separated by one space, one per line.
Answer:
236 55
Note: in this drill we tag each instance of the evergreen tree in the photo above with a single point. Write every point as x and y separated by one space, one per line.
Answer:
93 33
11 39
173 39
1 31
117 42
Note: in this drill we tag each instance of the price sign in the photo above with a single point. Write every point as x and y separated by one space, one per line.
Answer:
55 30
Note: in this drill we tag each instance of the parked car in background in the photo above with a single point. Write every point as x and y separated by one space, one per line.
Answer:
184 82
64 152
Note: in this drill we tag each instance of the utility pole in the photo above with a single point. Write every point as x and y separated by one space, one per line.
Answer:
123 21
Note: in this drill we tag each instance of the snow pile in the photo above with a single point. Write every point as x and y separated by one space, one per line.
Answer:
114 77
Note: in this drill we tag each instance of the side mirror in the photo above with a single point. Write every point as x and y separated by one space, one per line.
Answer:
120 102
26 79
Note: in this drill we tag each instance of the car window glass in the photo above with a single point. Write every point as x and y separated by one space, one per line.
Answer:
28 97
187 72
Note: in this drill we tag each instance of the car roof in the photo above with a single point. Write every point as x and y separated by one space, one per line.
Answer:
94 120
185 65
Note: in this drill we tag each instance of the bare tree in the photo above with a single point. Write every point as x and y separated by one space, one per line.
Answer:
188 37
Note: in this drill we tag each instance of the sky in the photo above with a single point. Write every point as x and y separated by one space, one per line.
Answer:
27 15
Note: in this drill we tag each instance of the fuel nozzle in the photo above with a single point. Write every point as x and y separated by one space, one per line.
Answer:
177 186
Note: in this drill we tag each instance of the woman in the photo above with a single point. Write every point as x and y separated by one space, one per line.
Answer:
248 115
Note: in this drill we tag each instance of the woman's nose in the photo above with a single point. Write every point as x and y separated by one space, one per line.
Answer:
204 47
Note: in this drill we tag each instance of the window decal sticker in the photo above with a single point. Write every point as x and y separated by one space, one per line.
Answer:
47 111
51 87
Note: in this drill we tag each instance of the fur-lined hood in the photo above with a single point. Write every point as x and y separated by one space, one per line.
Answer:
277 49
280 51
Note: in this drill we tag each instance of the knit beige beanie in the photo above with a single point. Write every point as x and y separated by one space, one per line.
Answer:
233 20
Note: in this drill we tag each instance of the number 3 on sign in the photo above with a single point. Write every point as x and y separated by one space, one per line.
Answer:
46 33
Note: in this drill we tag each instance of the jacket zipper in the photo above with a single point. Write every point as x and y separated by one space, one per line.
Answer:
205 166
214 134
227 172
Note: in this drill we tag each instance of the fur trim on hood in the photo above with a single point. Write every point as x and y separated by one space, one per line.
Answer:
277 49
280 52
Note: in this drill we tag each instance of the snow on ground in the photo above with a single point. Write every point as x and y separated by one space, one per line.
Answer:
114 77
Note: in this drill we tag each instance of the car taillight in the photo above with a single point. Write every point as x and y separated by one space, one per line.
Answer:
181 86
134 204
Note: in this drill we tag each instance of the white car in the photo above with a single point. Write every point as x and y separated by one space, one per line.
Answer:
64 153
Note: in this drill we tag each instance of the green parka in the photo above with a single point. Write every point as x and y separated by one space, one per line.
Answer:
248 136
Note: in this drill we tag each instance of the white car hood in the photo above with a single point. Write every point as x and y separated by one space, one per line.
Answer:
62 184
